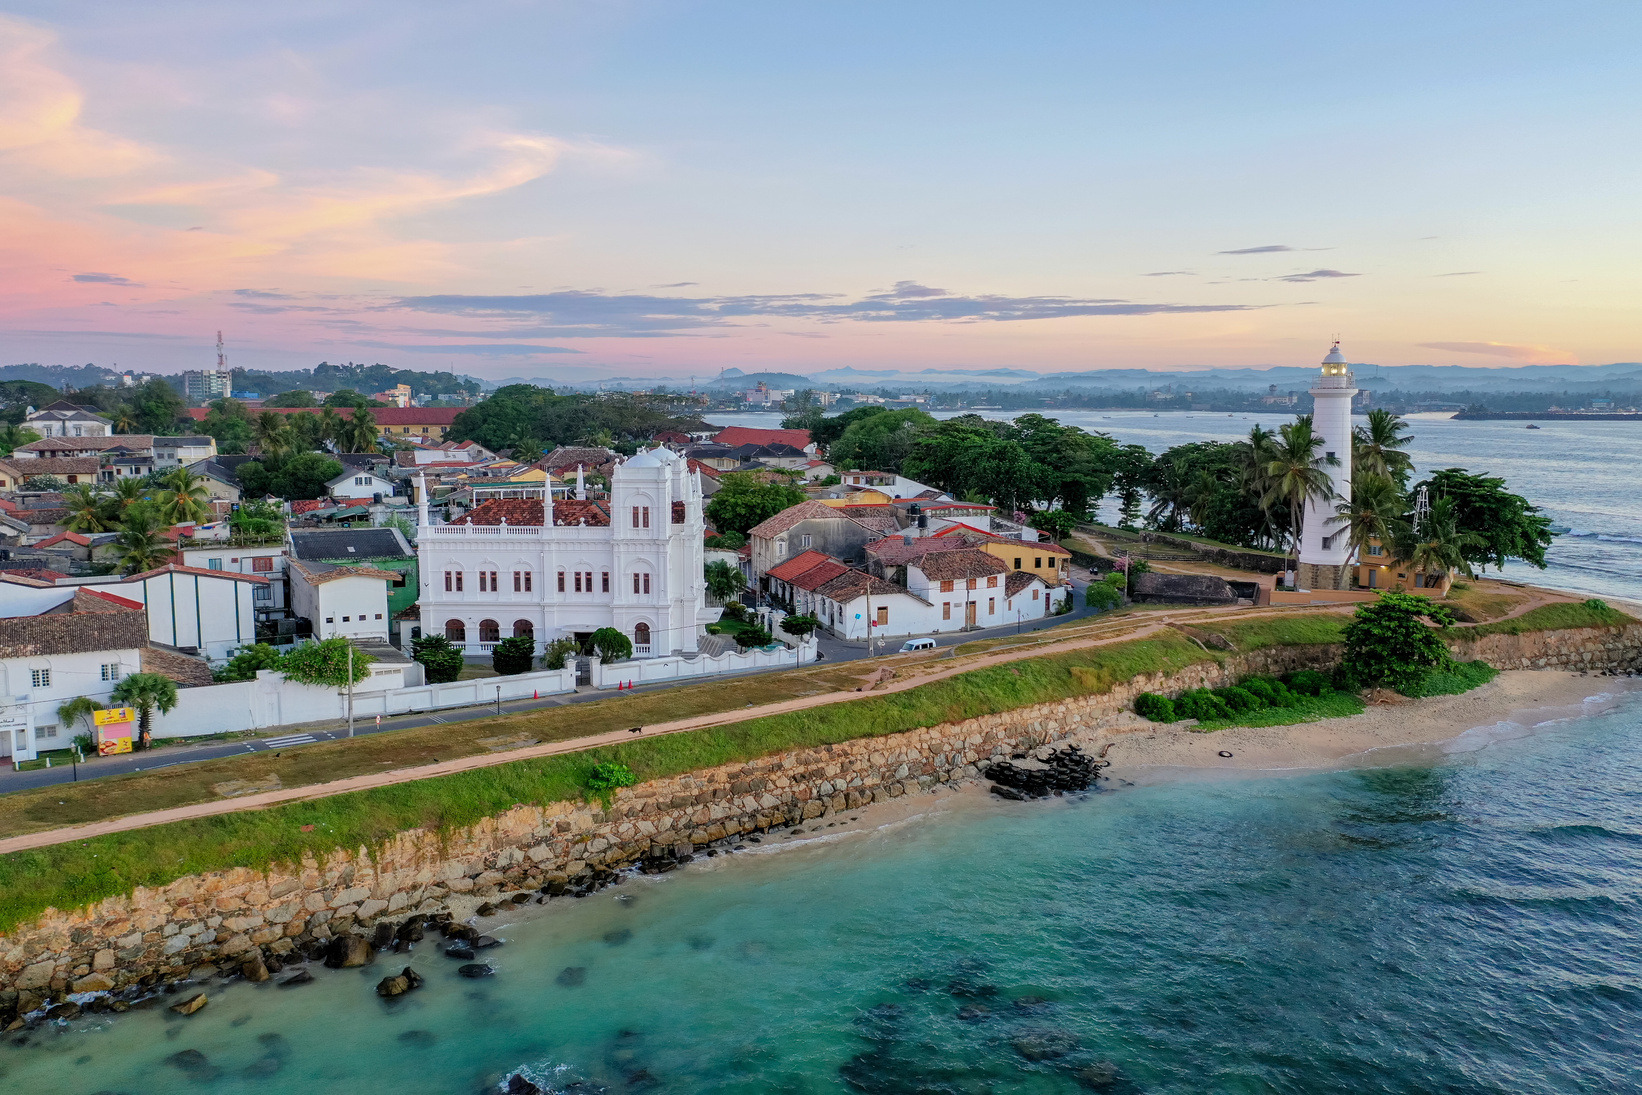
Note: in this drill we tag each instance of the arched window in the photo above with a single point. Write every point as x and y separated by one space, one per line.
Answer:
456 631
523 629
641 635
490 631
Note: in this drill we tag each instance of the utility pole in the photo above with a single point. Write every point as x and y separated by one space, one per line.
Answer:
350 688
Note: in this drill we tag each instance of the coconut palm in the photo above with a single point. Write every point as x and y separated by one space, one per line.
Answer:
125 419
359 433
187 500
145 692
1437 545
1377 447
723 580
88 511
12 435
1374 512
1295 474
330 425
141 546
126 492
272 433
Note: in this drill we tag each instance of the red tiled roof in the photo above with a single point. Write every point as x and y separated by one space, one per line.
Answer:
894 550
870 517
819 575
1019 580
71 537
528 511
575 512
975 536
697 465
308 505
123 602
747 435
949 566
798 564
854 583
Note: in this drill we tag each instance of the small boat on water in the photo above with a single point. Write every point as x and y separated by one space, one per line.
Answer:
1531 426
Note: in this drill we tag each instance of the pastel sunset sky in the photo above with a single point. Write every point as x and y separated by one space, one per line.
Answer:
577 190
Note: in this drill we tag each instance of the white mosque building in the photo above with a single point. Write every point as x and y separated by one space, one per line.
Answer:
1325 549
562 568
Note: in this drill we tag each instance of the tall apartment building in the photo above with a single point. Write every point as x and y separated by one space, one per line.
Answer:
201 386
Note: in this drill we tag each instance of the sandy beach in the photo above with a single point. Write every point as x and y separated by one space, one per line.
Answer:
1522 697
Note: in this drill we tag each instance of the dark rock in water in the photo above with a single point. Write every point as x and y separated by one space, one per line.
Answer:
641 1078
700 942
300 977
422 1038
1047 773
274 1043
459 950
262 1067
1010 793
406 980
194 1064
348 951
476 969
974 1013
254 968
571 976
965 988
487 909
383 939
1100 1076
66 1010
461 931
1044 1045
518 1085
484 941
556 887
917 984
410 931
274 963
1031 1005
519 898
618 937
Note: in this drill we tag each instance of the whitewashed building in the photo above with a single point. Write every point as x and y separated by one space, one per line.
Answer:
341 600
555 568
359 485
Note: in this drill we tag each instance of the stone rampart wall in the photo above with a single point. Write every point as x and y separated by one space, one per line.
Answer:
223 917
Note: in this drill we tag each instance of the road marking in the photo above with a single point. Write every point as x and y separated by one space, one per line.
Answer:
292 739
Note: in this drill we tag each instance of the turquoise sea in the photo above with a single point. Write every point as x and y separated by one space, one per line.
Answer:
1462 920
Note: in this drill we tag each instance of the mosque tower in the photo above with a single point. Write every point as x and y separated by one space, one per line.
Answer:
1325 551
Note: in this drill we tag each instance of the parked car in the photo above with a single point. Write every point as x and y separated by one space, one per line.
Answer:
917 644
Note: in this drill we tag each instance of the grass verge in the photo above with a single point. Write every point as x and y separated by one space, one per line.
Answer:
1330 705
1557 617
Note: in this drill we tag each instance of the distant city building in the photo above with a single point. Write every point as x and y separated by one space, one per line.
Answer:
397 396
200 386
65 419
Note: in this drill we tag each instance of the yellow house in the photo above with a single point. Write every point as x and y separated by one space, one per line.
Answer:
1051 562
1376 569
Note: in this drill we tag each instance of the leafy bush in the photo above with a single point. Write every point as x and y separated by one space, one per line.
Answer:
1201 704
735 610
606 777
1150 705
1463 677
325 663
1308 682
753 635
1345 679
1240 700
1105 594
1388 642
726 541
244 665
612 645
45 483
1272 692
799 626
1137 567
557 653
441 661
513 655
714 629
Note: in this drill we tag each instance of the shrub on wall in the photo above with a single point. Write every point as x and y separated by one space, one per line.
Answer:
612 645
513 655
441 661
557 653
325 663
1150 705
1388 642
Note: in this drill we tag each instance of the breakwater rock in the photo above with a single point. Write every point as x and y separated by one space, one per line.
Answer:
1048 771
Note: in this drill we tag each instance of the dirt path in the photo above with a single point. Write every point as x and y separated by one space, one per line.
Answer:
1121 629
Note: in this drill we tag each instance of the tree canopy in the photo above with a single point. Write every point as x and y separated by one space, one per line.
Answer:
1503 525
743 501
525 413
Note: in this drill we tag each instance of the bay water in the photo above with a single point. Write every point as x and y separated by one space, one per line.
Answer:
1458 919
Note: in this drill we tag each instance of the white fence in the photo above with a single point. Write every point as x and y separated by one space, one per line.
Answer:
649 670
272 701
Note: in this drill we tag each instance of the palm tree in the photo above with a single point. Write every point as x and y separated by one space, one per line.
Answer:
187 500
145 692
272 432
125 419
330 425
73 711
1377 447
142 548
1254 460
1295 474
1374 511
87 510
127 492
723 580
12 435
1436 545
360 431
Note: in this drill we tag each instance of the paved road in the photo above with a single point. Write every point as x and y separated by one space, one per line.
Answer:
832 650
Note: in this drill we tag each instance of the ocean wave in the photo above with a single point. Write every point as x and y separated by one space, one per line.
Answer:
1568 833
1600 537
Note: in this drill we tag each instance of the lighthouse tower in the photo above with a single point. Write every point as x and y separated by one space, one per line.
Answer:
1324 549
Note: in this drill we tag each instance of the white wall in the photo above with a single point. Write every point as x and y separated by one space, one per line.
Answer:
361 486
239 560
216 615
355 606
71 675
646 670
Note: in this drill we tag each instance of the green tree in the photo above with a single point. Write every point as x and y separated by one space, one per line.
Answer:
1375 511
1057 523
88 511
360 432
1506 525
244 665
72 712
1133 464
824 431
1377 447
229 422
13 435
1387 642
557 652
145 692
441 661
513 655
186 499
325 663
45 483
257 519
140 544
1296 474
799 626
294 478
724 581
330 424
156 406
743 501
612 645
272 432
1437 545
879 442
749 637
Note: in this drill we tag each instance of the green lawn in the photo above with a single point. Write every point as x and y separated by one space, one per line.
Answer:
1451 682
1557 617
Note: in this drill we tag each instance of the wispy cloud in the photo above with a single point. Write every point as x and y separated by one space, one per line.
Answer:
1318 275
1458 274
106 279
1170 274
1265 250
1513 351
485 349
593 314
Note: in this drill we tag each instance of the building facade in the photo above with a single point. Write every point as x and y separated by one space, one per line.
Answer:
554 569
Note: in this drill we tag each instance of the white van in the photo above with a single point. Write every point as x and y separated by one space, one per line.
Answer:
917 644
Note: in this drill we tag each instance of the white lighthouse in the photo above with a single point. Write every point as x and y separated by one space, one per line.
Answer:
1325 551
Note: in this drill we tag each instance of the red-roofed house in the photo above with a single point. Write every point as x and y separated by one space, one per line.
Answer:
735 436
211 612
